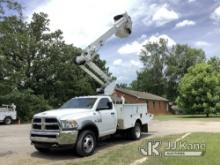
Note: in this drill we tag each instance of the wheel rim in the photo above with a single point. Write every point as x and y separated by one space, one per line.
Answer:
88 143
8 121
137 131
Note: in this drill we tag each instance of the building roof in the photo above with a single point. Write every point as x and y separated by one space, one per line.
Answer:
142 95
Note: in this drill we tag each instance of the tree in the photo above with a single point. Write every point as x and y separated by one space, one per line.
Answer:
199 90
10 7
153 57
37 66
164 67
122 85
179 60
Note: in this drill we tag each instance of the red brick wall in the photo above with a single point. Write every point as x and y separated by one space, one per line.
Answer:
154 107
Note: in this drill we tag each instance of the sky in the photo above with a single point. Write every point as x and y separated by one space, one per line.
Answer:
192 22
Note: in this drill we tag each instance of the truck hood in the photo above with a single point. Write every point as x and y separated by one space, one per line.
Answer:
64 113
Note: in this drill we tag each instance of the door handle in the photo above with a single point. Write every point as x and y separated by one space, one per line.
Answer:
112 113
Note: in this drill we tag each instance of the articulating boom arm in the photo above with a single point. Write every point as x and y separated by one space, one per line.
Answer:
121 28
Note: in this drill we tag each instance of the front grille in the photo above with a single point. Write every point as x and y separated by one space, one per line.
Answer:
37 120
50 120
51 127
35 126
50 124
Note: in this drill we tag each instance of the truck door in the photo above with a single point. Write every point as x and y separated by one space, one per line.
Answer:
108 119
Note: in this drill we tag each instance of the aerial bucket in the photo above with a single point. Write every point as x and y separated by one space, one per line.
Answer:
126 29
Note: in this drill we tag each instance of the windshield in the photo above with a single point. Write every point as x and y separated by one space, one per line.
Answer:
79 103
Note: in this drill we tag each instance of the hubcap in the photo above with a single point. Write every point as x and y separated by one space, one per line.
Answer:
88 143
137 131
8 121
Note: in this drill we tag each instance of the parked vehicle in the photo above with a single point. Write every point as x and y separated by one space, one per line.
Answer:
81 121
8 114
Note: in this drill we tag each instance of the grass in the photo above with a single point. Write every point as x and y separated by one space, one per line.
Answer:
187 117
120 155
128 153
211 155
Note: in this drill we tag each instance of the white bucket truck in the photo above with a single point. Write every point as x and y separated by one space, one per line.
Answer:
81 121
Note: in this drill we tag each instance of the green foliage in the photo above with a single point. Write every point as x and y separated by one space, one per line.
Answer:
200 89
9 7
122 85
151 79
27 103
32 58
164 67
179 60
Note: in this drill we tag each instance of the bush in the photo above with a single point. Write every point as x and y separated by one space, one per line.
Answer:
27 104
200 90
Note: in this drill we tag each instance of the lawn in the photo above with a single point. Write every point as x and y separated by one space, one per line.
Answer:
187 117
128 153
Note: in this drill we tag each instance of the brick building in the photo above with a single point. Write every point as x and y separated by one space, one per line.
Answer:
155 104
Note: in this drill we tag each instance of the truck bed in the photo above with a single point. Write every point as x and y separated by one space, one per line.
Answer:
128 114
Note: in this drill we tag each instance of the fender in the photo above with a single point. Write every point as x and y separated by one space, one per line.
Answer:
89 124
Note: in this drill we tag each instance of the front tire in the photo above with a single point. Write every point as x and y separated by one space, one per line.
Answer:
8 121
135 132
86 143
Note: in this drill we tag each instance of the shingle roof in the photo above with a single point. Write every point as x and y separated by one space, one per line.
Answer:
142 95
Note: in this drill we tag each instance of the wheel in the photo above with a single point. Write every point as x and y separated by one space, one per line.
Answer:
86 143
8 121
135 132
42 149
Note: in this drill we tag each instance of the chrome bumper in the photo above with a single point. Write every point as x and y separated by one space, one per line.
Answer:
61 138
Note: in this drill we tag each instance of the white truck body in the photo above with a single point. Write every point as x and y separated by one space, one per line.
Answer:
7 114
128 114
65 125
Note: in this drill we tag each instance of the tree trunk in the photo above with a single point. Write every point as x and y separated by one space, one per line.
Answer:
207 114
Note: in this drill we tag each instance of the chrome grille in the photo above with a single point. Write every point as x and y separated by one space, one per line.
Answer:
50 124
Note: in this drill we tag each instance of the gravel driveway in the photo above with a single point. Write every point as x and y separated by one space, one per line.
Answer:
15 148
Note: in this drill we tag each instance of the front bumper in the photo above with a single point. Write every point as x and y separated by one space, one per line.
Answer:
60 138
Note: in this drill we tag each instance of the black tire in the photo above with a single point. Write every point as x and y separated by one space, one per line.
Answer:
42 149
86 143
135 132
8 121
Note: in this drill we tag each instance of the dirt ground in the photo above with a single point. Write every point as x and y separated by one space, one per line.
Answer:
15 147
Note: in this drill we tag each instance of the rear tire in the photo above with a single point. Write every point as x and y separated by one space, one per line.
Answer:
135 132
86 143
42 149
8 121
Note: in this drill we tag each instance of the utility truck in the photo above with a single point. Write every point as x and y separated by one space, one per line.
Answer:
8 114
83 120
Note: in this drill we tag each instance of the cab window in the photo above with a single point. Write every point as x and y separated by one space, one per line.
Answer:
104 104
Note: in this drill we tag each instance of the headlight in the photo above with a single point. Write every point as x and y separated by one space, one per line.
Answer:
69 124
